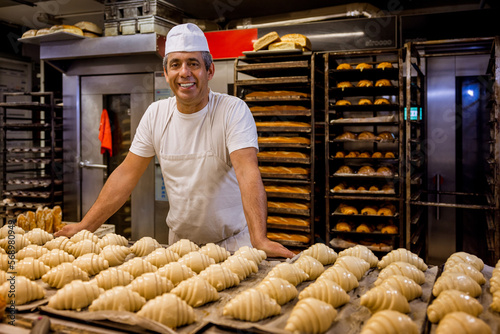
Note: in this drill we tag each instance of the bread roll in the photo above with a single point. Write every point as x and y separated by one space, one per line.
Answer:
66 28
284 46
89 27
385 64
29 33
265 40
299 39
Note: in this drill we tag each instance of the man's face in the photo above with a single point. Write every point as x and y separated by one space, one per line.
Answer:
188 78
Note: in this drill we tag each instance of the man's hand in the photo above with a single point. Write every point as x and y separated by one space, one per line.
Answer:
274 249
69 230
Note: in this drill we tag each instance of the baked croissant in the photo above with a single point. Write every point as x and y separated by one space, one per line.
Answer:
161 256
219 277
451 301
385 297
383 83
215 251
75 296
278 289
25 290
31 268
390 321
344 84
403 255
169 310
462 323
251 305
326 290
408 287
137 266
144 246
91 263
109 278
348 210
346 135
362 66
253 254
385 64
116 254
352 154
364 83
355 265
312 267
150 285
14 244
183 246
33 251
344 66
465 257
118 299
344 170
196 261
176 272
382 101
364 228
290 272
385 136
341 276
310 315
366 135
63 243
362 252
63 274
112 239
369 210
343 103
344 226
467 269
38 236
401 268
456 281
83 247
364 102
366 170
196 291
322 253
84 235
240 266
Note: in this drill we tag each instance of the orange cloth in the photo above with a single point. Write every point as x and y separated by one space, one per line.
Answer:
105 134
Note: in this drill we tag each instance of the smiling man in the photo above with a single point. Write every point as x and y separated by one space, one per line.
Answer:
206 144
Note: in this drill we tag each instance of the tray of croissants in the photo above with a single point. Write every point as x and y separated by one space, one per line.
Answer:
183 287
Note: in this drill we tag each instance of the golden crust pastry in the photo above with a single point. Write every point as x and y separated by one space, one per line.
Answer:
352 154
196 261
363 66
287 140
344 66
385 64
343 226
366 170
265 40
288 237
276 108
196 291
348 210
364 228
283 170
282 154
390 229
287 221
382 101
383 83
273 93
344 84
343 103
344 170
365 102
385 136
364 154
346 135
369 210
364 83
283 124
284 46
366 135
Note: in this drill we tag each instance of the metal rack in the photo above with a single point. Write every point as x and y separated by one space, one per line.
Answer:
285 124
32 154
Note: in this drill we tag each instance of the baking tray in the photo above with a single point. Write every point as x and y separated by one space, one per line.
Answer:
296 145
301 212
306 129
285 160
274 52
378 192
395 175
361 120
273 80
285 176
339 213
365 107
52 37
305 196
300 228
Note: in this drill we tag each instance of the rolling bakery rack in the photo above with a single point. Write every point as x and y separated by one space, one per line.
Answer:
277 87
31 152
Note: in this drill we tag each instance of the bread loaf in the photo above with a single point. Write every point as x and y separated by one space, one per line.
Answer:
89 27
284 46
66 28
301 40
265 40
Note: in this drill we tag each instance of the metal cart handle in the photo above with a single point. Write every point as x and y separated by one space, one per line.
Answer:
88 164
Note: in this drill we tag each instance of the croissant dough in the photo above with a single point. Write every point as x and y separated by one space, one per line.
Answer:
253 254
456 281
216 252
91 263
408 287
183 246
84 235
278 289
355 265
460 257
118 299
109 278
341 276
469 270
362 252
462 323
327 291
385 298
15 244
144 246
312 267
390 321
251 305
495 303
75 296
25 290
33 251
4 230
137 266
63 274
450 301
240 266
161 256
83 247
220 277
310 315
402 255
115 254
290 272
494 283
38 236
196 261
55 257
322 253
150 285
169 310
112 239
63 243
401 268
196 291
31 268
176 272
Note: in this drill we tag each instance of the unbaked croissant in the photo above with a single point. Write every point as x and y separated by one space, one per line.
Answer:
115 254
251 305
137 266
494 283
322 253
215 251
109 278
462 323
341 276
14 244
390 321
83 247
401 268
312 267
38 236
150 285
408 287
84 235
460 257
4 276
75 296
23 291
63 243
169 310
183 246
176 272
112 239
196 261
55 257
310 315
362 252
63 274
467 269
327 291
450 301
495 303
219 277
4 230
456 281
31 268
402 255
196 291
240 266
253 254
385 297
118 298
355 265
278 289
91 263
33 251
144 246
161 256
288 271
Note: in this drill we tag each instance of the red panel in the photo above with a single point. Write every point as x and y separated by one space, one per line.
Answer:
230 43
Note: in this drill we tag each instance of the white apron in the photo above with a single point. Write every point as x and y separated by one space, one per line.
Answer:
205 200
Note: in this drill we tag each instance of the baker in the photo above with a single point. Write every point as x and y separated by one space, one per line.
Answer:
206 143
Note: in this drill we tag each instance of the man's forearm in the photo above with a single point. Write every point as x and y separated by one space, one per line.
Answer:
255 207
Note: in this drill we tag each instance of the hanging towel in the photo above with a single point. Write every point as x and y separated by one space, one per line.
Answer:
105 134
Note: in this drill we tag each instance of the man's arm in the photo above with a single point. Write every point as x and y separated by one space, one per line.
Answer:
254 201
113 195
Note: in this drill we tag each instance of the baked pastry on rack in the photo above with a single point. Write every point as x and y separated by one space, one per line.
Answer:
385 136
363 66
382 101
369 210
344 84
343 227
343 103
364 228
383 83
385 64
344 170
366 170
348 209
265 40
363 102
373 188
366 135
390 229
352 154
364 83
346 135
364 154
344 66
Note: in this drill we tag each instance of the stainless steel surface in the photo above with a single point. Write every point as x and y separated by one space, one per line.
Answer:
88 164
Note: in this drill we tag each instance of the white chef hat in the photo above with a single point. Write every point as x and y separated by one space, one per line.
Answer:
186 38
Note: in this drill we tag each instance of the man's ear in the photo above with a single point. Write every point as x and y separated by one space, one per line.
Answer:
211 71
165 73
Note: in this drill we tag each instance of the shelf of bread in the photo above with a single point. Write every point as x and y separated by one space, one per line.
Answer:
288 191
280 110
390 119
365 136
382 228
363 91
288 223
366 171
290 239
372 74
373 245
283 126
284 141
385 210
274 80
284 157
277 95
365 188
268 67
364 155
292 208
284 172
